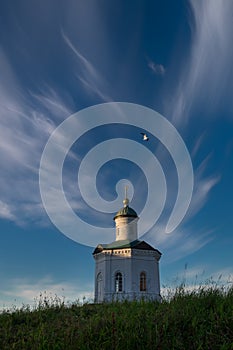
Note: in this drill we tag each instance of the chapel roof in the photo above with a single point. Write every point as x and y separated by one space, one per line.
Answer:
137 244
126 211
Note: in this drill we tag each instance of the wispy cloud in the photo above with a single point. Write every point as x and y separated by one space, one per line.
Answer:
185 238
23 291
206 76
6 211
196 278
197 145
205 275
27 120
85 71
156 68
178 244
28 117
202 187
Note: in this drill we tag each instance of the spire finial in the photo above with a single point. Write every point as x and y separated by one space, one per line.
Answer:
126 200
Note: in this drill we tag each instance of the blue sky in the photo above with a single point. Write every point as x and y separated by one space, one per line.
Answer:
57 58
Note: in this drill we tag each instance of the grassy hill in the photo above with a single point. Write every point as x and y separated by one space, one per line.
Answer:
197 320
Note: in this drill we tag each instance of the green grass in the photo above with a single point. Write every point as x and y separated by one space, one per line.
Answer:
197 320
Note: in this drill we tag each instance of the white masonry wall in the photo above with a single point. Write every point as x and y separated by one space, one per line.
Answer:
126 228
130 262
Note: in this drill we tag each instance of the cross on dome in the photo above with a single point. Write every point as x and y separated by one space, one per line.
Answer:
126 200
126 211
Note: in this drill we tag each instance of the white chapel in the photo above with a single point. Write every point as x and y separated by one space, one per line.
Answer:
127 268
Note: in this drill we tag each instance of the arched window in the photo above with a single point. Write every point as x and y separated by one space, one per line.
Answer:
142 282
99 286
118 282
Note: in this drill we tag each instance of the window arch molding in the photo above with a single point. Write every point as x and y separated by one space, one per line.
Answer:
99 276
99 286
143 281
118 281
